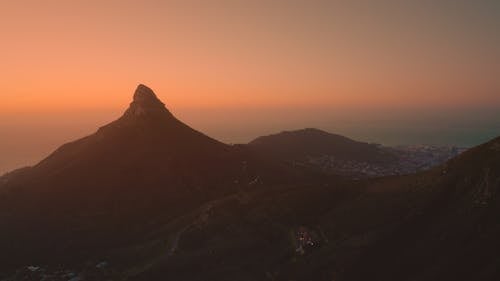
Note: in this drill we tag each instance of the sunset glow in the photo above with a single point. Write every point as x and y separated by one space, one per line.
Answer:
330 64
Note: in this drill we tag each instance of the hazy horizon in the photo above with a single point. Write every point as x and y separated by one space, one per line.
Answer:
32 139
421 72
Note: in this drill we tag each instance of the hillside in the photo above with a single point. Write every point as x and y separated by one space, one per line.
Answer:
339 155
310 143
149 198
437 225
107 189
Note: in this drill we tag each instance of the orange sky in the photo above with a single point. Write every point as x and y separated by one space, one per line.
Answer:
70 66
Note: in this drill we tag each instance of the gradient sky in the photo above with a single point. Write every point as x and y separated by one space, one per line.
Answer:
393 72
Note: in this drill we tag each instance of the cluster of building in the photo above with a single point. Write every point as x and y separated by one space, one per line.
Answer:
92 272
304 239
408 160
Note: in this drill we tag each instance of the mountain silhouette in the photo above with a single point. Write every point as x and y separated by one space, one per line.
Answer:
440 224
149 198
143 168
146 151
310 142
449 230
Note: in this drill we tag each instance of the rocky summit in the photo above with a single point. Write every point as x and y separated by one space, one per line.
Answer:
145 102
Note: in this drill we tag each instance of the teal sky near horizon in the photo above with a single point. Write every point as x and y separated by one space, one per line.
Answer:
391 72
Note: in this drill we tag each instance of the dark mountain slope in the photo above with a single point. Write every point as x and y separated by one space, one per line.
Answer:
146 139
109 188
329 153
157 200
145 155
437 225
301 144
335 154
454 236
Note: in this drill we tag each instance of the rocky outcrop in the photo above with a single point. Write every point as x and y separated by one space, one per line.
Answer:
146 103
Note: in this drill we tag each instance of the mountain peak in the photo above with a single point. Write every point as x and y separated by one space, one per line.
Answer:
144 94
145 102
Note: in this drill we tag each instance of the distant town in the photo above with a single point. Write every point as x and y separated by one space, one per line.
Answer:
410 159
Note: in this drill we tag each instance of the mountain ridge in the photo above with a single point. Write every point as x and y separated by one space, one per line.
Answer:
312 142
153 199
